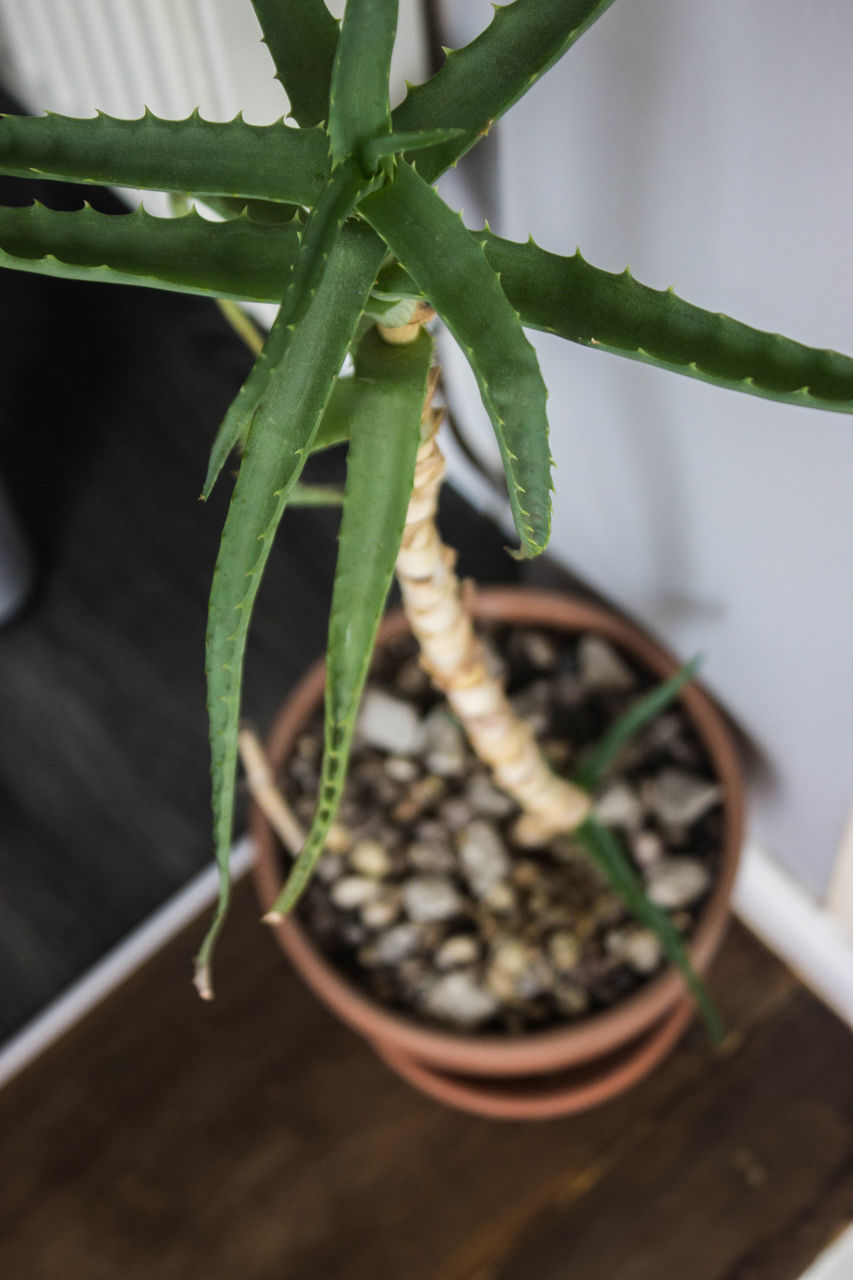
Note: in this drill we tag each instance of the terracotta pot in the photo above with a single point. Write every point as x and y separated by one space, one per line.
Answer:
544 1073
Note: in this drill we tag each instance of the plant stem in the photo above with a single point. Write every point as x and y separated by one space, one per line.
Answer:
437 608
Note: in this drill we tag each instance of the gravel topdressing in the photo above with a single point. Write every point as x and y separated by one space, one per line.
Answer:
423 899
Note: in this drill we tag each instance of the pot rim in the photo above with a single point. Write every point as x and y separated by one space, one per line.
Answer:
494 1054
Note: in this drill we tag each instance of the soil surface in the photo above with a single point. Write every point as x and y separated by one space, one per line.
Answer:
423 899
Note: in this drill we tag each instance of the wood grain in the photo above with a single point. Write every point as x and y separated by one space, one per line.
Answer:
256 1138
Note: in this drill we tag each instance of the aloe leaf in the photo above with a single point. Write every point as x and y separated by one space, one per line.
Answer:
382 145
358 98
257 210
236 426
478 83
316 495
384 439
450 268
600 758
613 312
238 259
267 162
335 424
278 444
302 36
320 233
606 851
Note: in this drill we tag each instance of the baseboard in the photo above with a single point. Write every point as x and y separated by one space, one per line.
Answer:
775 907
116 966
836 1261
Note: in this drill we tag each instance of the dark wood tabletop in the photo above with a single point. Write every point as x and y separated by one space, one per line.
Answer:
256 1138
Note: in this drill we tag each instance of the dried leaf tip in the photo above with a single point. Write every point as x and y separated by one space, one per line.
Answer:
273 917
202 980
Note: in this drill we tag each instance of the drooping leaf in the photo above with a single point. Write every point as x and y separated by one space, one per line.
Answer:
278 444
611 312
301 35
600 758
450 268
238 259
384 439
606 851
478 83
343 188
267 162
358 98
236 426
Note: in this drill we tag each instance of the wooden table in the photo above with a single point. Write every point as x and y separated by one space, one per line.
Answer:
256 1137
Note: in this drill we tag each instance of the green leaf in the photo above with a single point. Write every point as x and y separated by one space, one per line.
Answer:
302 36
606 852
384 439
236 426
334 428
237 259
358 99
478 83
612 312
268 162
383 145
279 441
316 241
597 762
450 268
316 495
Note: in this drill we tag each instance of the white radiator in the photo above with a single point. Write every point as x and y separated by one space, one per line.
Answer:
119 56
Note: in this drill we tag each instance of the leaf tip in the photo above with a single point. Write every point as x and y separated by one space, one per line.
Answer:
202 980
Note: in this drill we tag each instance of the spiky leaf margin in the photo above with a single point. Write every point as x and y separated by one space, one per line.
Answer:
450 268
384 439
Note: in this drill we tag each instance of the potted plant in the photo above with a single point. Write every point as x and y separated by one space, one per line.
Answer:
337 219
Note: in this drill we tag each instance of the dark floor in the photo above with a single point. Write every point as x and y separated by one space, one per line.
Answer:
165 1139
109 398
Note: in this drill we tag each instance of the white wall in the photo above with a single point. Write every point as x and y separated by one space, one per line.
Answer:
709 147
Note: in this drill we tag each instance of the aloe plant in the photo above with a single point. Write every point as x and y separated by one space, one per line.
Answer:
335 217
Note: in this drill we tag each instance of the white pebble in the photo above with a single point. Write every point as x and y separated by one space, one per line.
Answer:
642 950
677 882
430 898
501 898
390 948
353 891
647 848
487 799
601 667
679 798
564 950
389 723
401 769
460 998
484 858
515 972
381 911
445 743
620 806
459 949
370 858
